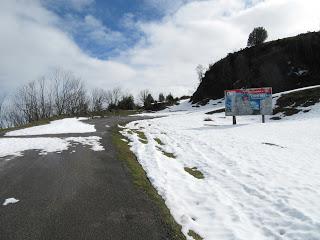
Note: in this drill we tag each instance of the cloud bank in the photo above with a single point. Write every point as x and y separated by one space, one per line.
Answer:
197 32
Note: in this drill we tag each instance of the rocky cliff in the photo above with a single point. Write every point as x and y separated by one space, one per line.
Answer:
284 64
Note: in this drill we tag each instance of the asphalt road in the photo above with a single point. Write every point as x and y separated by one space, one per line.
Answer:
81 195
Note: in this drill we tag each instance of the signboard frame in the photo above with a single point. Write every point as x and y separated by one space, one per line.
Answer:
252 101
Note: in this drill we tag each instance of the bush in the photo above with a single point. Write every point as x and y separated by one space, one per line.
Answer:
126 103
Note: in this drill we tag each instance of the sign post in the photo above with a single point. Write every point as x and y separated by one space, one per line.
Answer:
254 101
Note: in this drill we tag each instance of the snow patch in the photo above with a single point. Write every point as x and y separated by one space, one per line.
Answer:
10 201
16 146
63 126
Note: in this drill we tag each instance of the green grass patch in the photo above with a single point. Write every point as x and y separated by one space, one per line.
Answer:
194 172
194 235
141 180
129 132
143 141
159 141
167 154
142 137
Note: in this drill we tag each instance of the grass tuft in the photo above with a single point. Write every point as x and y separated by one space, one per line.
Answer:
194 172
141 180
142 137
194 235
159 141
167 154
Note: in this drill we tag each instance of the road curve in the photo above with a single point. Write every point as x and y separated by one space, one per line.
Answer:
80 195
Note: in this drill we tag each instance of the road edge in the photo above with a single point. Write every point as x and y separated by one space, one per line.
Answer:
141 180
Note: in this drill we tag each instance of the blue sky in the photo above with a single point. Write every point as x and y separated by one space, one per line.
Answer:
117 20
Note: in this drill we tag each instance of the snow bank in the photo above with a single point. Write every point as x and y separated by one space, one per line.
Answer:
67 125
16 146
261 181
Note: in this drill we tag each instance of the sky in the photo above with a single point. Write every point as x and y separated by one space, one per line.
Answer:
136 44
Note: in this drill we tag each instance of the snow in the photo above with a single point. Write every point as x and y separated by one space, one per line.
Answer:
67 125
16 146
261 181
92 141
10 201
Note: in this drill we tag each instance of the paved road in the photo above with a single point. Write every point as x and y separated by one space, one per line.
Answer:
83 195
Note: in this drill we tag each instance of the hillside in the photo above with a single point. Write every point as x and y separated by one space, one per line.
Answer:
284 64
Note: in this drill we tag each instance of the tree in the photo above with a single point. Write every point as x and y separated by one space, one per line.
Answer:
143 96
98 98
126 103
2 98
200 72
113 97
258 36
170 98
161 97
148 102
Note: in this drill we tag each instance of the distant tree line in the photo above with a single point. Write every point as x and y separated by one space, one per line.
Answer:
62 94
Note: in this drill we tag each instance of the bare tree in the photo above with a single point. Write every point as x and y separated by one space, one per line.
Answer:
44 99
25 101
98 99
114 96
200 72
2 98
69 94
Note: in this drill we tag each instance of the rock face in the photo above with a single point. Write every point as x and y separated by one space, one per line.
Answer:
284 64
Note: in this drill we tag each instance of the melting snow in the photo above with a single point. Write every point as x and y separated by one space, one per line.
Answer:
15 146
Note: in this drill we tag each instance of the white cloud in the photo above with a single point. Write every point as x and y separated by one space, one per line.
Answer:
91 29
99 33
199 32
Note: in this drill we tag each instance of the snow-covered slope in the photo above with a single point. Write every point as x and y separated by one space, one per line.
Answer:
248 181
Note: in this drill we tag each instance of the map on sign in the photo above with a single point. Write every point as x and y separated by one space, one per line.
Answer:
254 101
